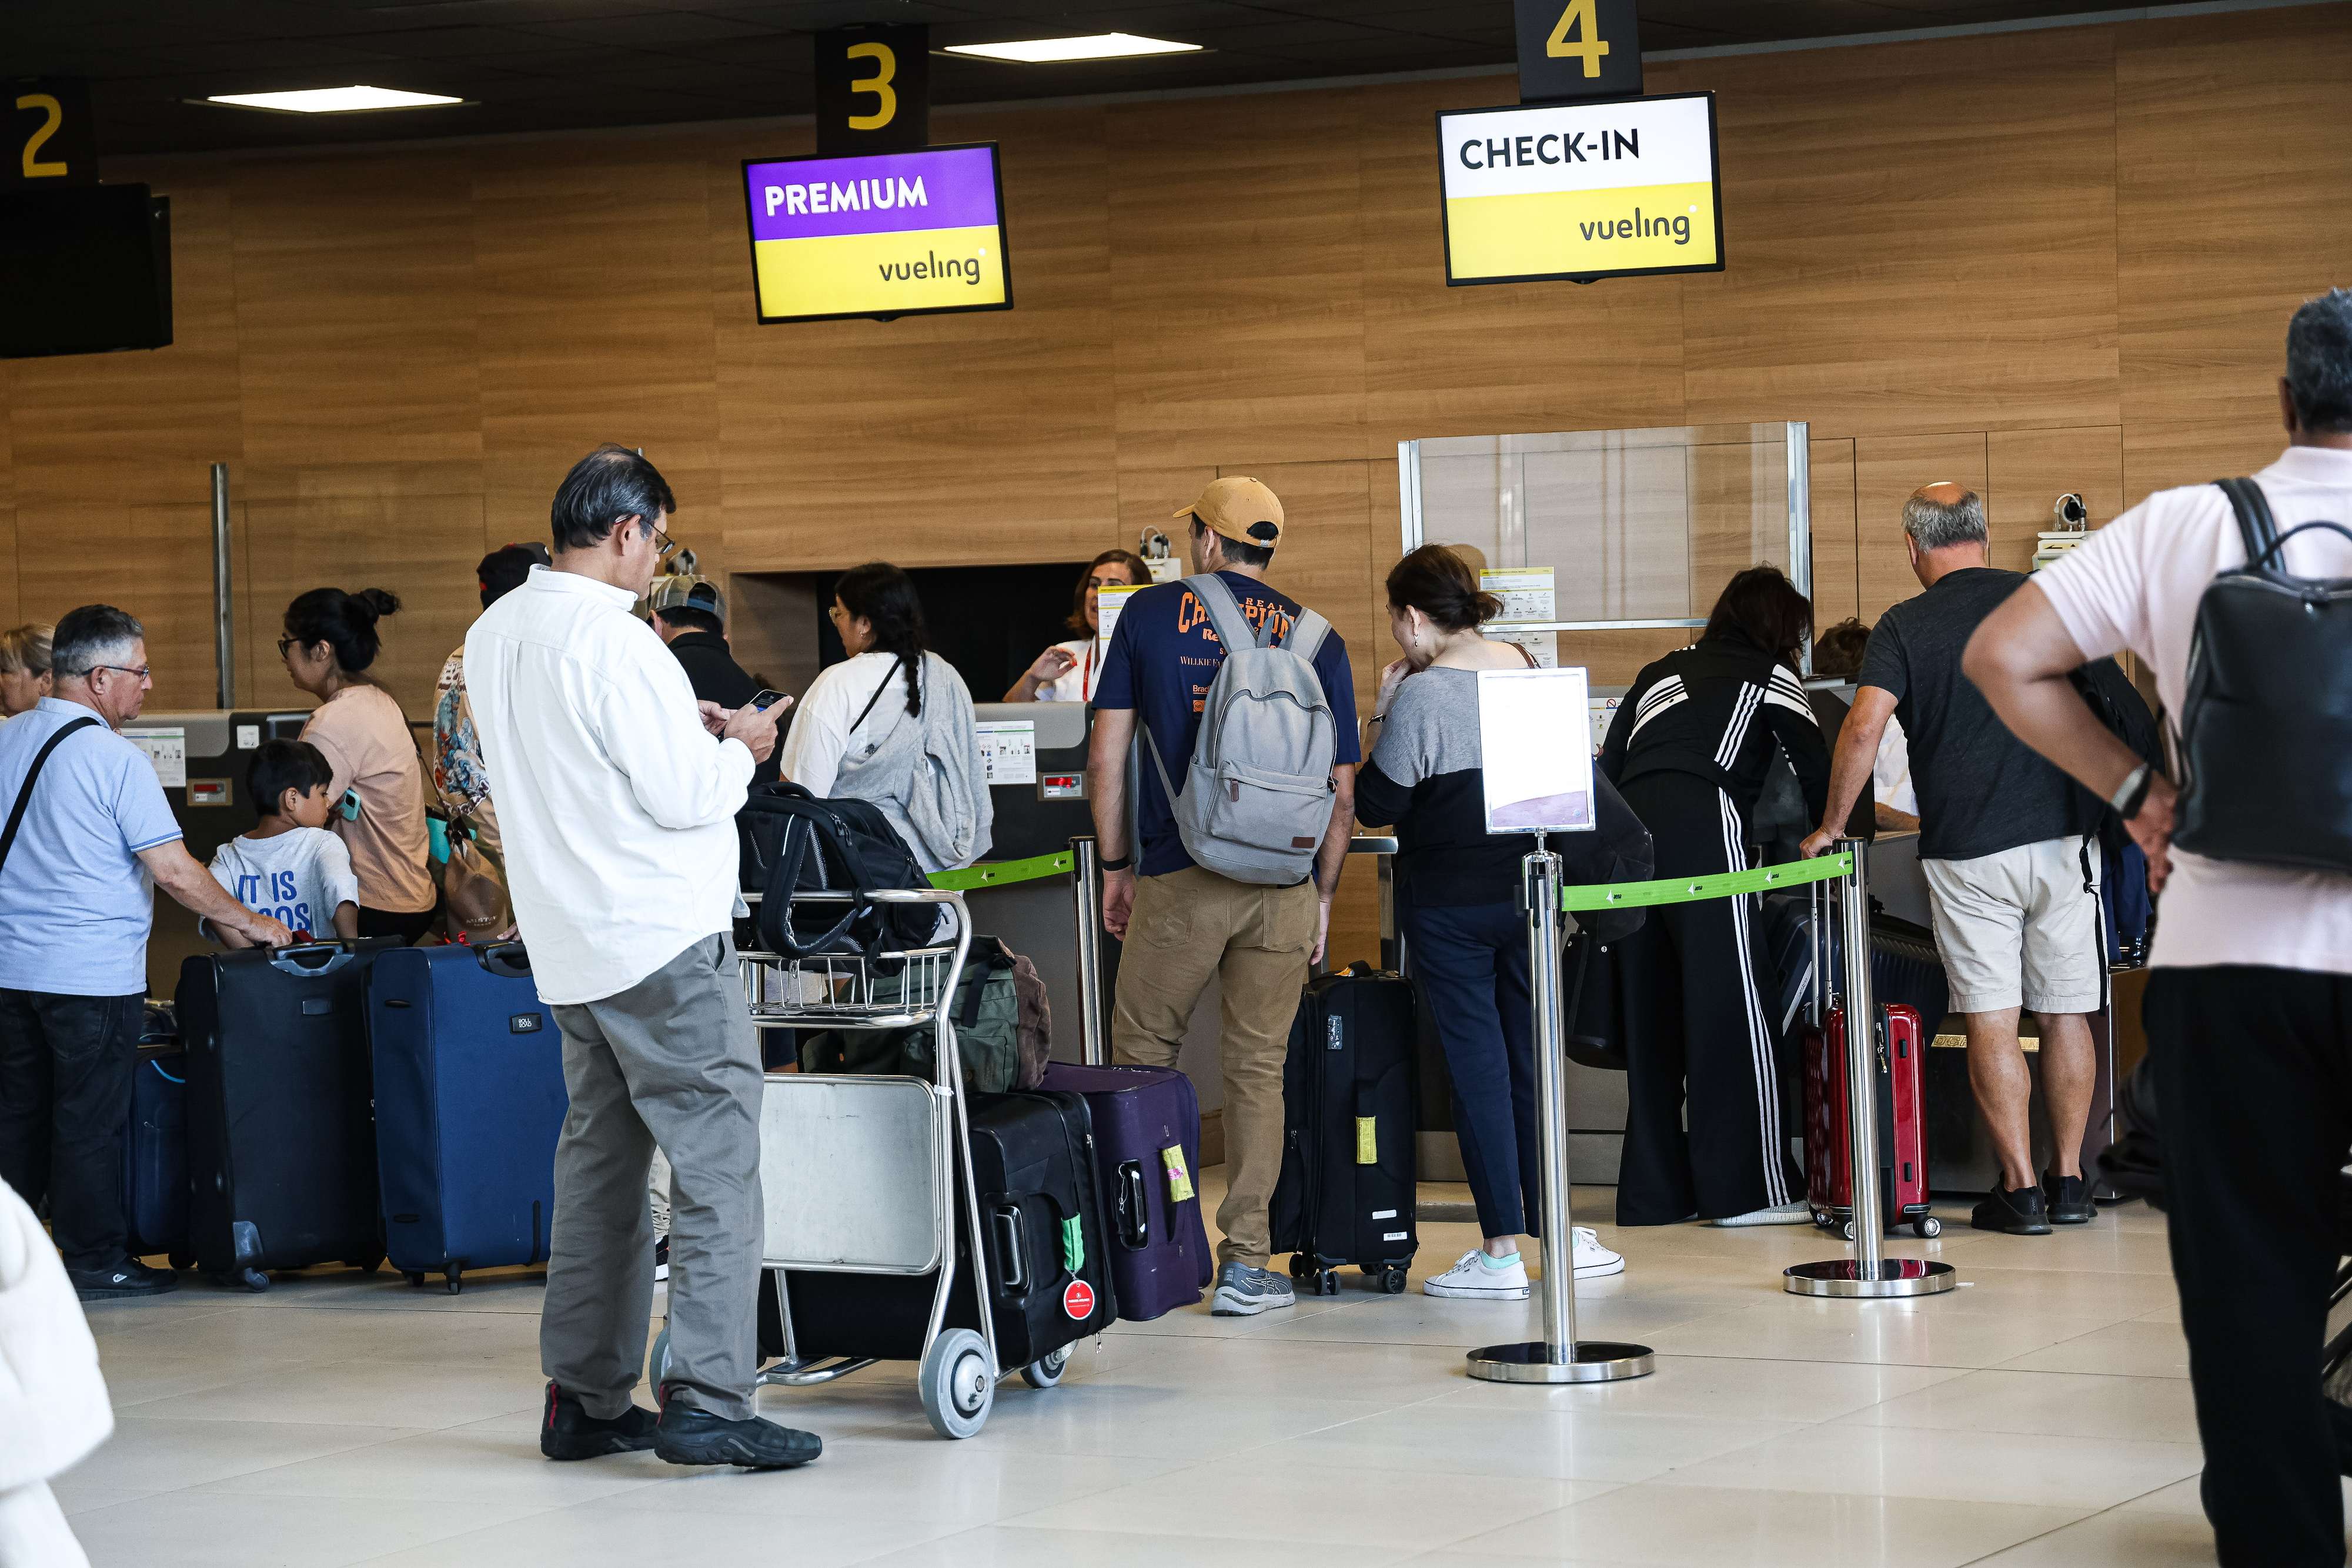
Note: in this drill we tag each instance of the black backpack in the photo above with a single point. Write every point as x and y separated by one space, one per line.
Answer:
794 842
2266 725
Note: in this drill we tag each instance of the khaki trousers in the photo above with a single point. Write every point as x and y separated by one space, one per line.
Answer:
1185 927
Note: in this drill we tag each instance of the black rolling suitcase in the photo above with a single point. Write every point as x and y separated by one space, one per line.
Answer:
281 1131
1041 1219
1346 1192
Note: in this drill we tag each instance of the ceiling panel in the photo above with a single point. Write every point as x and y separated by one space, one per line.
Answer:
537 65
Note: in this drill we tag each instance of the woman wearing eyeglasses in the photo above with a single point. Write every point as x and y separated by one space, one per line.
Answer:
330 641
1067 671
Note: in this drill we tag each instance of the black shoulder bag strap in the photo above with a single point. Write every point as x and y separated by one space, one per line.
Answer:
877 697
2255 525
32 777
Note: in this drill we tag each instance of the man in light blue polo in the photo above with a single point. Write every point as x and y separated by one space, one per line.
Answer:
83 835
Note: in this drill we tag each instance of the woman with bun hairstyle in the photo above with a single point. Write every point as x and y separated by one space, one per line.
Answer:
1458 902
1067 671
25 677
329 643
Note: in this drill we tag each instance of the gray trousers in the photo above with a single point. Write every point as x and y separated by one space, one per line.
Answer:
673 1061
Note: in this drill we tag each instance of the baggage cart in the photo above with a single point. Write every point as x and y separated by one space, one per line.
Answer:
870 1178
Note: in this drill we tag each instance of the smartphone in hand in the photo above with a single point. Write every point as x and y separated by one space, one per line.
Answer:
767 699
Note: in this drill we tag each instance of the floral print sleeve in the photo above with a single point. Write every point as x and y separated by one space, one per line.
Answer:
458 770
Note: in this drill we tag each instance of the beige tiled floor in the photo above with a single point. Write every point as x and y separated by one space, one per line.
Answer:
2038 1416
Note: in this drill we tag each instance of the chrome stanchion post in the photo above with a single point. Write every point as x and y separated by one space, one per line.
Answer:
1558 1357
1869 1272
1086 894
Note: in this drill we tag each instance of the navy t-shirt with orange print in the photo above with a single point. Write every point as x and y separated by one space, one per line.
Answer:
1164 655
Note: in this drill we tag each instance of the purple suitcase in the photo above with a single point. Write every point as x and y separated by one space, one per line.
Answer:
1147 1132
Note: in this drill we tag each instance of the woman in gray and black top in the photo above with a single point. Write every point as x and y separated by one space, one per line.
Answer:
1458 902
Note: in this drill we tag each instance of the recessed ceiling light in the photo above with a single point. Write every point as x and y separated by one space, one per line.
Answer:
333 99
1053 51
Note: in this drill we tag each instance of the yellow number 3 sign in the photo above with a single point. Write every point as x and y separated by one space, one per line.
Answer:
873 90
1587 46
877 86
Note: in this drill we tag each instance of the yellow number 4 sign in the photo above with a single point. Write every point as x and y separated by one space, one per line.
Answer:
1578 48
1588 47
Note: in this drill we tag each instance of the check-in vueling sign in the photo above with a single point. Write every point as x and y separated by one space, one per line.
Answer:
1582 189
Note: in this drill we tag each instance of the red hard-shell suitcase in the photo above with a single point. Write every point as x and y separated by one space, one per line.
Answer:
1901 1049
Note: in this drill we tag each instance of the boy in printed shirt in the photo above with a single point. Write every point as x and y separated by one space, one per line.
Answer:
291 866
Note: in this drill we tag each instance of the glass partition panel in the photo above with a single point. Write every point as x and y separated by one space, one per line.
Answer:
1639 529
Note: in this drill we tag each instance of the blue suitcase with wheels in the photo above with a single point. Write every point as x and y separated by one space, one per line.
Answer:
469 1100
156 1155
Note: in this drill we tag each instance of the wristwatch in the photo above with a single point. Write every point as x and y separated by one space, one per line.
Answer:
1120 865
2127 801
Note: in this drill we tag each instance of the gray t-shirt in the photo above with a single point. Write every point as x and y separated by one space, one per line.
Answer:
1981 790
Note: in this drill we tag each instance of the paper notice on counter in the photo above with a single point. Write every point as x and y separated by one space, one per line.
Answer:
1604 714
1008 750
167 750
1543 646
1525 590
1537 769
1108 602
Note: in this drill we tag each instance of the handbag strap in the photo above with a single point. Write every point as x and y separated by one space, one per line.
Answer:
886 679
32 777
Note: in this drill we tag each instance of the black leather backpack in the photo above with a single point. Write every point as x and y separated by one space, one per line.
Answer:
2265 743
794 841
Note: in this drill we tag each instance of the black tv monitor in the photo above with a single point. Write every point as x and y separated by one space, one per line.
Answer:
84 269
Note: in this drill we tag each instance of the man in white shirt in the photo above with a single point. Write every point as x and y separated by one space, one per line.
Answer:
617 807
2249 1014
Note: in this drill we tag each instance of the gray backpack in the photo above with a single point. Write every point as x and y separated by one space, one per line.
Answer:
1258 795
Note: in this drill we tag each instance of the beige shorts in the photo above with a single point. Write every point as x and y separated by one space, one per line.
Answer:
2018 928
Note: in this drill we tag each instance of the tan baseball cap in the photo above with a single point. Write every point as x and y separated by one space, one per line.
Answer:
1241 509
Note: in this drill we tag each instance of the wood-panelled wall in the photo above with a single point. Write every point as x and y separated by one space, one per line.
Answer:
2034 262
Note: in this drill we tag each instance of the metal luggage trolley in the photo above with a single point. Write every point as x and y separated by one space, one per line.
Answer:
862 1173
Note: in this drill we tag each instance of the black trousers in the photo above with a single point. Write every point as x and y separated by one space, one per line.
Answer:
407 927
1471 962
64 1102
1702 1126
2253 1080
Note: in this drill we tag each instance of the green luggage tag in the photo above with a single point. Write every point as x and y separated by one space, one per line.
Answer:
1074 1244
1368 1148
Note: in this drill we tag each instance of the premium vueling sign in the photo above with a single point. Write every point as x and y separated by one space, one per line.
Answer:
896 234
1581 191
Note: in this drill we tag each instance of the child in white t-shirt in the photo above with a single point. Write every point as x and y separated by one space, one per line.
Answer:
290 866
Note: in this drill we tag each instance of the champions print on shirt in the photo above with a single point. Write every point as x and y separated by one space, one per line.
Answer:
1194 626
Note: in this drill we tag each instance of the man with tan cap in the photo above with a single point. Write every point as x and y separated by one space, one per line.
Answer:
2012 876
1182 923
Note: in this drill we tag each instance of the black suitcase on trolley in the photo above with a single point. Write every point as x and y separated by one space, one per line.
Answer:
1346 1192
280 1121
1041 1221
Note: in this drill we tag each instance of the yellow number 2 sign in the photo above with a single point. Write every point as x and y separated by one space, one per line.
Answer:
52 141
877 86
53 114
1589 46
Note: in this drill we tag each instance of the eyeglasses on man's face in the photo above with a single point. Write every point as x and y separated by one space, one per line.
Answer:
142 671
663 543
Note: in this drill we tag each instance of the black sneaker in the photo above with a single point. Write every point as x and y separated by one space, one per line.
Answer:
2019 1212
571 1433
661 1258
691 1436
2069 1198
128 1278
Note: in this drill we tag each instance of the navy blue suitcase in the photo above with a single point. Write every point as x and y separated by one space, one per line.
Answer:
1147 1144
156 1155
469 1100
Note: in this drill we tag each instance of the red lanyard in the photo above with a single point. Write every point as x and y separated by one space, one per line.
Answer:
1087 681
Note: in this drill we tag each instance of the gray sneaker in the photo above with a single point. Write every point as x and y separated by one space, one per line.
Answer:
1244 1292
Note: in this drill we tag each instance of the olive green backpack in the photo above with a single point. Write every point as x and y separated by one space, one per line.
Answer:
1002 1028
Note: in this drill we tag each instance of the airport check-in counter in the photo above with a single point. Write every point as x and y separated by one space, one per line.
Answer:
201 756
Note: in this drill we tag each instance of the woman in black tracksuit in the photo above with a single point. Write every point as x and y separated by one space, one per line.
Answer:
1689 749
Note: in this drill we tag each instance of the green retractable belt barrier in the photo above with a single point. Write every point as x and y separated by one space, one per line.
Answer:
1693 889
996 874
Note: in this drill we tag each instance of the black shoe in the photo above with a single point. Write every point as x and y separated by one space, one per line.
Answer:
2019 1212
2069 1198
128 1278
691 1436
661 1259
571 1433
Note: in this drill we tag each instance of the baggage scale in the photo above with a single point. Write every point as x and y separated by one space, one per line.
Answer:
862 1173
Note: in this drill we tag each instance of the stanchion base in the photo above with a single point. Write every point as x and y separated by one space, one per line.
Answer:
1595 1361
1893 1277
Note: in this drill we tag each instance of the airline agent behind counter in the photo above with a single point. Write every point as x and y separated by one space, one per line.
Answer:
1067 671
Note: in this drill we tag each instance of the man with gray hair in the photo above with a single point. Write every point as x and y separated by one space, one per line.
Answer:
2012 877
87 825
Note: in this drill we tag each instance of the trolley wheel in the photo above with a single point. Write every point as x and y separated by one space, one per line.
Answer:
957 1383
1392 1281
1299 1267
1326 1284
1048 1370
1927 1228
1846 1230
658 1364
417 1278
454 1279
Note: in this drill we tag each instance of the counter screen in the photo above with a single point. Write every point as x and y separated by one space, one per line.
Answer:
1581 191
894 234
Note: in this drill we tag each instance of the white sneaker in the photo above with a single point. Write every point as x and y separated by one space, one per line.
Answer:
1592 1260
1471 1279
1798 1213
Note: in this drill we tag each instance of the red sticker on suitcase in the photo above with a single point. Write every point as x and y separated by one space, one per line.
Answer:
1078 1300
